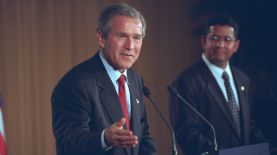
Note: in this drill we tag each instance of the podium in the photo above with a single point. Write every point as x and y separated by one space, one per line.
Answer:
256 149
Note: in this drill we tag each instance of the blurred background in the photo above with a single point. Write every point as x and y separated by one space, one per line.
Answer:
40 40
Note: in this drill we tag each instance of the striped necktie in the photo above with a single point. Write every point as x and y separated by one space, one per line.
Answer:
232 104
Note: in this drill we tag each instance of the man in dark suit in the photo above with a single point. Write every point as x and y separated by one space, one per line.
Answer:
97 107
219 91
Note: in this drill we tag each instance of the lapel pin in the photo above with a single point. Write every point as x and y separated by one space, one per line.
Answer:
242 88
137 100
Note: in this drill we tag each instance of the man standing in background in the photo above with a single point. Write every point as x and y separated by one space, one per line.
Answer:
219 91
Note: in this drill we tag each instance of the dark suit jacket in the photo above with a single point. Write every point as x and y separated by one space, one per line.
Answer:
198 86
85 102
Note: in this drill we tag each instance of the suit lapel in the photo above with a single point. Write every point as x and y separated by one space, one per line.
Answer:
217 96
107 93
135 103
244 106
135 106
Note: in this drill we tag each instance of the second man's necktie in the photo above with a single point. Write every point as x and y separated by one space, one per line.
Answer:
232 104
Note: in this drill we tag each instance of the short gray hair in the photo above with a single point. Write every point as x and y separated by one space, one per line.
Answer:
119 9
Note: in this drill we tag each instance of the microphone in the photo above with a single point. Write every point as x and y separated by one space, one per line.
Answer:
174 92
147 94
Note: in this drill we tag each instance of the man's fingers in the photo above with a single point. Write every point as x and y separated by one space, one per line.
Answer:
118 137
120 123
126 141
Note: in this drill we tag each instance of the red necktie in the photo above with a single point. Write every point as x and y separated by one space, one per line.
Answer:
123 100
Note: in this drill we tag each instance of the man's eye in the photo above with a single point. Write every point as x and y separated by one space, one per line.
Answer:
214 37
138 38
228 39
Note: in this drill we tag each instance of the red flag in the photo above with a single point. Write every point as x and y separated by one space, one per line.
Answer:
3 150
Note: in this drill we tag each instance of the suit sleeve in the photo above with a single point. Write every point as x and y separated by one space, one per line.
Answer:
71 109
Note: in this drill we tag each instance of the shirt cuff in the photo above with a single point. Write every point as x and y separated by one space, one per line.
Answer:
103 144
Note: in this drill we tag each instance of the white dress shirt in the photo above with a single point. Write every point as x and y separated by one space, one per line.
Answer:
217 73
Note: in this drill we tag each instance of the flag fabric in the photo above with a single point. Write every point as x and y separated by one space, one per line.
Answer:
2 133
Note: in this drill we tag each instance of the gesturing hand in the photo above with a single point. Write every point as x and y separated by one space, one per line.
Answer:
116 136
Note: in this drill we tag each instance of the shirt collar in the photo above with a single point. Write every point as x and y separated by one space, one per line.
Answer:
113 74
215 69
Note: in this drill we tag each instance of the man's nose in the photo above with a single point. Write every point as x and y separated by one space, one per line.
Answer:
129 44
220 43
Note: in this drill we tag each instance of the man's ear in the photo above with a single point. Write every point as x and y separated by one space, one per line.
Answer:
237 43
100 39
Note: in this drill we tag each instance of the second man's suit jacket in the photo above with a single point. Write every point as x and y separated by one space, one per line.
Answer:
85 102
198 86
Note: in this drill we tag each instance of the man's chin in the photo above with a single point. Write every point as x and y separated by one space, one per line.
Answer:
219 62
126 66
